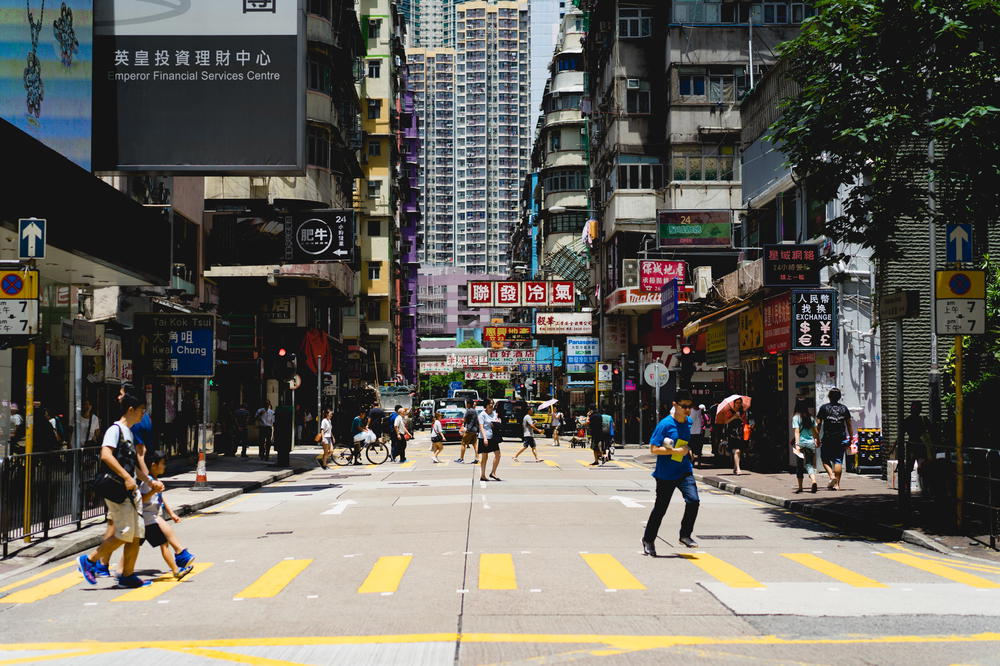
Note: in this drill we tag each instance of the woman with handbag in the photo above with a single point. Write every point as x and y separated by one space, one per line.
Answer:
437 437
325 437
117 484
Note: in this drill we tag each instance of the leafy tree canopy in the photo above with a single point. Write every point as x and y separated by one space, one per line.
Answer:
470 343
879 79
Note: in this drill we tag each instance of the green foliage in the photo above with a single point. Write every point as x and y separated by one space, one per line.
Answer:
470 343
981 369
436 386
864 114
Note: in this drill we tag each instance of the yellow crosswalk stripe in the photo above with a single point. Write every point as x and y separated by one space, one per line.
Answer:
274 579
611 572
551 463
408 463
160 585
586 463
961 564
722 571
832 570
44 590
938 569
496 572
37 576
386 575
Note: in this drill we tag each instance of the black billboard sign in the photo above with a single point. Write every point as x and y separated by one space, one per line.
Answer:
814 320
791 266
209 86
319 235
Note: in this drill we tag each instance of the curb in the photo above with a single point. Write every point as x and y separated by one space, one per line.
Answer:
836 518
90 536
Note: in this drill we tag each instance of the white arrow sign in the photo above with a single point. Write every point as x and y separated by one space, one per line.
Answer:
32 233
959 237
339 508
340 252
626 502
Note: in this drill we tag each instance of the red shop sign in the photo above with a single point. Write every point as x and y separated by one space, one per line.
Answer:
778 323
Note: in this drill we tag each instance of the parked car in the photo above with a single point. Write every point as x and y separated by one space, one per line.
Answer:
451 423
510 421
543 419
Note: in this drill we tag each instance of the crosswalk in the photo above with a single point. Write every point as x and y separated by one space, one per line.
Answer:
387 575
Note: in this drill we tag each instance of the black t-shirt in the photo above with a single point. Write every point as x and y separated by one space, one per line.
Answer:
596 425
834 418
376 415
471 419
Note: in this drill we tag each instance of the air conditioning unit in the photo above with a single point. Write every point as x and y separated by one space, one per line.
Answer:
632 84
702 282
630 273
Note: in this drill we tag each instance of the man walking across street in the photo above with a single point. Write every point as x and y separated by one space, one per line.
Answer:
669 443
835 430
470 432
528 434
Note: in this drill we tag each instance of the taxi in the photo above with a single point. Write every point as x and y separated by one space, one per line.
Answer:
451 423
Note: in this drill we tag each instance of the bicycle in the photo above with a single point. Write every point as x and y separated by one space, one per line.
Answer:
376 452
607 450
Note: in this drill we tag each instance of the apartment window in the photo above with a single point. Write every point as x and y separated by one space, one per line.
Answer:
637 101
318 77
560 180
374 28
635 22
555 140
374 228
374 189
373 309
775 12
704 163
374 148
318 149
374 109
640 176
374 69
712 85
374 273
691 84
568 62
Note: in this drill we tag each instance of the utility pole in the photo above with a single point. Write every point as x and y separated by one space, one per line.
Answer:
319 389
621 422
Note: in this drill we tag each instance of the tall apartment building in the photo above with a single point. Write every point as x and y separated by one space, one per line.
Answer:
546 22
431 23
492 41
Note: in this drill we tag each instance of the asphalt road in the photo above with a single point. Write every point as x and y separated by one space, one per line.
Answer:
422 563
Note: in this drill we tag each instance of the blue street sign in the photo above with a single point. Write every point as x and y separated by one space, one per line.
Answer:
31 238
176 345
669 313
959 242
454 386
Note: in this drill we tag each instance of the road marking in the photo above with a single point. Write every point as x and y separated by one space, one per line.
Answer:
626 502
37 576
161 585
274 579
386 574
44 590
338 508
222 655
408 463
611 572
550 463
961 564
832 570
942 570
722 571
496 572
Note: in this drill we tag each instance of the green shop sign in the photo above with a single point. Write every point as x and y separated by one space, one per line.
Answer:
694 228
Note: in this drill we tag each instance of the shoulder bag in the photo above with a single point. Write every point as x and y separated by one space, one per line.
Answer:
108 485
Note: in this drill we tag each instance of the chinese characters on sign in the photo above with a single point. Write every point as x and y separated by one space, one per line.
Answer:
655 273
694 228
751 329
669 314
814 320
791 265
466 361
509 294
435 368
534 368
960 302
319 235
778 323
177 345
715 343
506 333
581 354
486 375
509 357
563 323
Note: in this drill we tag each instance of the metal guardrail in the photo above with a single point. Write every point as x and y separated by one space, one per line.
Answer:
61 492
975 493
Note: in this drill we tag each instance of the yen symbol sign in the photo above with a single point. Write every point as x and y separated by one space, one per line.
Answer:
12 285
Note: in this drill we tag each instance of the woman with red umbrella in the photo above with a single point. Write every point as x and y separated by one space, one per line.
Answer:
732 413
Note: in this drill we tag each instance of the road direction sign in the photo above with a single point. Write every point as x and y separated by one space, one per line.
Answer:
31 238
320 235
899 305
959 241
19 317
656 374
960 302
176 345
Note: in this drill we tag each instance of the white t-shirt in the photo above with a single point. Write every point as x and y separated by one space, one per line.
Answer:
399 424
557 419
266 416
436 429
327 429
89 428
486 425
526 423
111 435
152 508
697 420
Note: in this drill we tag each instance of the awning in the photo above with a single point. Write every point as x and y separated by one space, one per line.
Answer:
699 325
94 233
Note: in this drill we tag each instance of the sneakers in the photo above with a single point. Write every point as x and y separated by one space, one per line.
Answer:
474 462
688 541
132 581
183 571
183 559
458 460
86 567
594 464
101 569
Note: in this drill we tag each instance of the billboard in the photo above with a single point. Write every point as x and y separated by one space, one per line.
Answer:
694 228
564 323
515 294
206 86
582 354
46 56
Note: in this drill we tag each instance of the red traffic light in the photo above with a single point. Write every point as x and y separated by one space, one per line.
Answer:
686 350
282 352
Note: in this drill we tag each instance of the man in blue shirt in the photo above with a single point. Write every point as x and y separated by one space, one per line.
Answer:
669 443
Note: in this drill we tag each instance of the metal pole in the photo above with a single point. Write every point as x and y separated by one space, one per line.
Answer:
656 387
79 436
319 390
621 423
295 371
904 455
597 382
638 397
29 435
935 372
205 416
959 430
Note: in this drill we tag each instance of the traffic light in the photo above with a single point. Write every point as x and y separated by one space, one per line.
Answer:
284 365
687 365
631 369
616 371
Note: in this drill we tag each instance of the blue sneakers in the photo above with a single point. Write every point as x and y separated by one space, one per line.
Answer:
183 571
86 567
132 581
183 559
101 569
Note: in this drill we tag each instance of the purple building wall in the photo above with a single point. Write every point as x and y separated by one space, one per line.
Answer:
409 145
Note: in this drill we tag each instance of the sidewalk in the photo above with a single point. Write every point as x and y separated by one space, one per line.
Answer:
228 477
864 505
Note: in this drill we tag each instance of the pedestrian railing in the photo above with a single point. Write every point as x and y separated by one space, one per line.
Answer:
972 488
43 491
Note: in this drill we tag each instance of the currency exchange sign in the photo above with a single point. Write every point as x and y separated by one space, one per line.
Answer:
814 320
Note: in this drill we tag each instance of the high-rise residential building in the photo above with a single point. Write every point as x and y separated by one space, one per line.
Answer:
431 23
546 19
492 91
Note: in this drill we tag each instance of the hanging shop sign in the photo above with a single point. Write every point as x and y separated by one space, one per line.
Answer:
814 320
791 266
176 345
669 312
563 323
581 353
515 294
655 273
507 333
534 368
509 357
778 323
435 368
694 228
204 87
486 375
751 328
715 343
319 236
467 360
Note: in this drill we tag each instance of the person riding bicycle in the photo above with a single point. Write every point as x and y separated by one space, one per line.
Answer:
358 427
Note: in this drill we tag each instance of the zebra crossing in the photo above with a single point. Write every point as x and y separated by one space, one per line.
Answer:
724 575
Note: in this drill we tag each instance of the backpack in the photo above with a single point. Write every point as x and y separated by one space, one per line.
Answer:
606 424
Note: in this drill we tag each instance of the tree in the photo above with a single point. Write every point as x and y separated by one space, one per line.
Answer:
878 80
470 343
